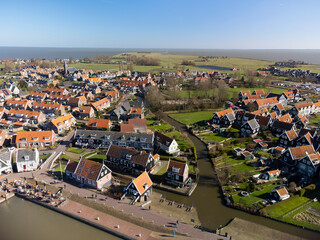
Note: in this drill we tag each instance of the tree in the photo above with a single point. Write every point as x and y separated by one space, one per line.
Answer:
23 84
100 114
250 187
292 187
8 67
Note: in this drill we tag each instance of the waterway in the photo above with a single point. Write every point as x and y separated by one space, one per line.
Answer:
24 220
214 67
209 203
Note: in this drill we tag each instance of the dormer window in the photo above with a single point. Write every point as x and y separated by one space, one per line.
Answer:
143 139
26 158
123 138
128 157
175 170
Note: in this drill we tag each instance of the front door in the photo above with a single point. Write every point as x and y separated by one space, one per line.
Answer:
24 167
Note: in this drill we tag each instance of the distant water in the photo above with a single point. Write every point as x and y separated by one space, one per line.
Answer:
214 67
310 56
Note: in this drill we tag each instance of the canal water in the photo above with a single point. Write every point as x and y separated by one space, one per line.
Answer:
24 220
208 202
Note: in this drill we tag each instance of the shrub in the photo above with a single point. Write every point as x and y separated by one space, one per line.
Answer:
311 187
302 192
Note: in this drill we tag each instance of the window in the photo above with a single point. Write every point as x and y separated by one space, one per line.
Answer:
26 158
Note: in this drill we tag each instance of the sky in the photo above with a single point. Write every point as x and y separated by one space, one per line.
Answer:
186 24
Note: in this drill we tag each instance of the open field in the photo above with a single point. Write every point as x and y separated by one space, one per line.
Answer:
193 117
169 61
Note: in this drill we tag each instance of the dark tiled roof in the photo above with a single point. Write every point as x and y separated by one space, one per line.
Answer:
163 139
71 167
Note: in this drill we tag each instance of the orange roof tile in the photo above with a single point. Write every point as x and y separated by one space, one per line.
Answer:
142 180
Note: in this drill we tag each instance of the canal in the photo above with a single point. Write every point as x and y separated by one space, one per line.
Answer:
24 220
207 198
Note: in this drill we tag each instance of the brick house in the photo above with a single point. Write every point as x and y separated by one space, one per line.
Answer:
89 173
62 123
177 173
35 139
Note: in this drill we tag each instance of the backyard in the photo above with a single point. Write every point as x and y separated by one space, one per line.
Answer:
193 117
183 141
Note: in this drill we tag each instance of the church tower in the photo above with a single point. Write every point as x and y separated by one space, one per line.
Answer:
65 68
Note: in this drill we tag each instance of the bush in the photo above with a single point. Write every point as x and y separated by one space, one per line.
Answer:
311 187
302 192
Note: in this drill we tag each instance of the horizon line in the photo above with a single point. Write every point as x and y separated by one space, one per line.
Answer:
161 48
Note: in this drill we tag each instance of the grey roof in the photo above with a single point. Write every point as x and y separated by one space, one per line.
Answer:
5 156
136 104
231 116
282 125
115 136
124 108
24 155
253 124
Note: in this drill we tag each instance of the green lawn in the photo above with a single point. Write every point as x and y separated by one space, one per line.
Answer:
242 168
76 150
193 117
98 157
266 90
163 170
315 120
87 154
212 137
254 197
290 218
228 159
60 167
184 143
279 209
68 158
164 127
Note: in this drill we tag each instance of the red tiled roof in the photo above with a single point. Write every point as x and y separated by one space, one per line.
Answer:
99 123
88 169
180 166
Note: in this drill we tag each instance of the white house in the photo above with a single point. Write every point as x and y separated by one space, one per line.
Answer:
27 160
167 144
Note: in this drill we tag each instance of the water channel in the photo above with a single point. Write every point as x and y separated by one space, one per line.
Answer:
207 198
24 220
